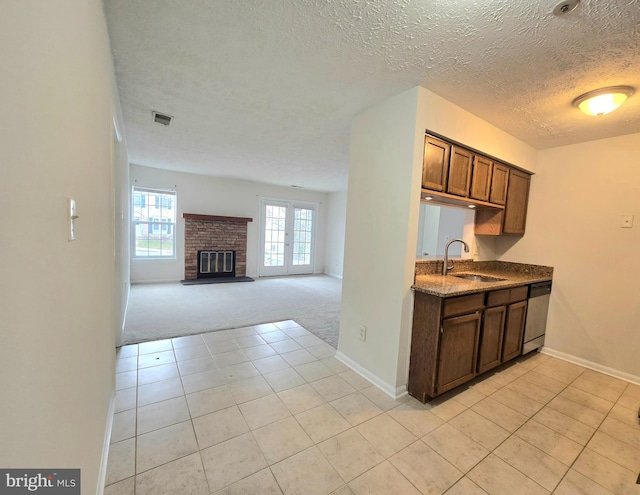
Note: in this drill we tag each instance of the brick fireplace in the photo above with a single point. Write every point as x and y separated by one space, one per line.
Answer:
204 233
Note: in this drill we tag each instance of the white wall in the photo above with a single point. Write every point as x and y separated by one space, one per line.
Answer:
451 226
430 228
577 198
57 297
447 119
385 168
122 231
336 224
382 220
216 196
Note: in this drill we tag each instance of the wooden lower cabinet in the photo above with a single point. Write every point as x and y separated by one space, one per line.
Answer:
490 352
458 351
455 339
513 330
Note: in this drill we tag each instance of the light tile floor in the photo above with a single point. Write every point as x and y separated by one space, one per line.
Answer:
268 409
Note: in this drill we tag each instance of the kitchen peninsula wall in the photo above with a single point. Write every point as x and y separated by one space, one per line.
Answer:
383 202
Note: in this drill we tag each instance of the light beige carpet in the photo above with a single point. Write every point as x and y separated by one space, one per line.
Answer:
158 311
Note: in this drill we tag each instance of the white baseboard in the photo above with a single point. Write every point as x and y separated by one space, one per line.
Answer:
390 390
102 474
124 317
591 365
160 281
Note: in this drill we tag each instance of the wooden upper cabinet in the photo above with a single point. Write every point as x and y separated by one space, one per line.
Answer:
515 210
499 183
435 164
460 165
500 192
481 178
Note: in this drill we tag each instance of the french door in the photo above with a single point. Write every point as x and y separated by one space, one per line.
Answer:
287 237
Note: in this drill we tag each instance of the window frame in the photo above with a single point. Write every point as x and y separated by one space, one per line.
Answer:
155 223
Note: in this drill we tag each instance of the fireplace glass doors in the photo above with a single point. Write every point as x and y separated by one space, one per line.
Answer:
216 264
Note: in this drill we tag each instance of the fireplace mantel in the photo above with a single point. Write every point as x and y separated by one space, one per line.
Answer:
216 218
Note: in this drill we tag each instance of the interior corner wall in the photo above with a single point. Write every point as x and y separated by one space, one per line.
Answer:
122 214
576 203
218 196
385 165
336 224
57 297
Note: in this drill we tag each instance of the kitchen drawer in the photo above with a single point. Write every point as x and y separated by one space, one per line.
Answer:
463 304
519 294
498 297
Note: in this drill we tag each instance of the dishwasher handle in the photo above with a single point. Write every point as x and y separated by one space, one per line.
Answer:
539 289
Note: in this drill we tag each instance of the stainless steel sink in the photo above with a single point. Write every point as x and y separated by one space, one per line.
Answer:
477 277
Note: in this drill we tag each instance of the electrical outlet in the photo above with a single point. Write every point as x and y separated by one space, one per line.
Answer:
363 333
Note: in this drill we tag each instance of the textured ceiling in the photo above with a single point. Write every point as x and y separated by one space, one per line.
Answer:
265 90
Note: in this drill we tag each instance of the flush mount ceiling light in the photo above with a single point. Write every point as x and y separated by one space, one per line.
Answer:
565 7
602 101
161 118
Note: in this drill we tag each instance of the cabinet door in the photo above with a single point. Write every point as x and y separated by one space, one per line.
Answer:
490 353
513 330
499 183
458 351
481 178
515 209
459 171
435 164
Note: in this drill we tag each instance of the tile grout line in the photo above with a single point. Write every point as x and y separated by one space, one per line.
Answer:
587 442
530 418
583 447
383 411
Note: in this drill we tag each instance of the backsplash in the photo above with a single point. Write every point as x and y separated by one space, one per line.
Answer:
434 267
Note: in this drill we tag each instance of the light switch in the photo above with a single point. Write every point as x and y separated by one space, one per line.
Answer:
626 222
72 218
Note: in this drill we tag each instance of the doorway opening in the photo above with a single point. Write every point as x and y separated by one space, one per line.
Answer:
287 244
440 224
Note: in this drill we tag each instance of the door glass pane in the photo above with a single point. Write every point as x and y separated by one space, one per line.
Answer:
274 235
302 236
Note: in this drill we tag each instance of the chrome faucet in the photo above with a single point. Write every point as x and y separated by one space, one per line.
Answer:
445 267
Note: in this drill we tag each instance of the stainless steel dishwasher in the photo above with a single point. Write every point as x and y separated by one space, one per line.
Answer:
536 322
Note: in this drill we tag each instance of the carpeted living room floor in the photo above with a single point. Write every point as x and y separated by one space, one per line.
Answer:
167 310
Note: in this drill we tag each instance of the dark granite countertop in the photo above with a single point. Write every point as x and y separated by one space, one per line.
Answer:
429 279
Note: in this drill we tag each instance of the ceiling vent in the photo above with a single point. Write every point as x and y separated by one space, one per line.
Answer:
161 118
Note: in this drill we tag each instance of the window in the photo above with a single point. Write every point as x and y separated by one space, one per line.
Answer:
154 223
